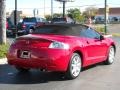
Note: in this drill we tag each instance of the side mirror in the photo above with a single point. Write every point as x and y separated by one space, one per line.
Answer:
101 37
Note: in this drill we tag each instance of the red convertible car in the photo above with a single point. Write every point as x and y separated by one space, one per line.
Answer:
64 48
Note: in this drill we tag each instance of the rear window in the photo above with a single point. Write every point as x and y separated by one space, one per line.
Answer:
59 30
51 30
29 20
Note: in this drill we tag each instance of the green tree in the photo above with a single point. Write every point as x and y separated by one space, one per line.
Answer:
2 22
75 14
90 12
57 15
48 17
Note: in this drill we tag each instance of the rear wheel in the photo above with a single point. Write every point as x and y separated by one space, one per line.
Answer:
111 56
74 67
31 30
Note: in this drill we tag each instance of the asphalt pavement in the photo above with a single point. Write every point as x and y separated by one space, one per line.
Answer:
113 28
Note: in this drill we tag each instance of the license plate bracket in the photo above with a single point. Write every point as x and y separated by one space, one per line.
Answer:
25 54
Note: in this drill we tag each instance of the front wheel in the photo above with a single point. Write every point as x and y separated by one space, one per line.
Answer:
111 56
74 67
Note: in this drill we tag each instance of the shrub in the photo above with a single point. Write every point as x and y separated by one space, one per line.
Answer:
116 34
3 50
100 29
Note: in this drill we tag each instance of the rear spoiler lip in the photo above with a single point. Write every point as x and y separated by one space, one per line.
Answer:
32 37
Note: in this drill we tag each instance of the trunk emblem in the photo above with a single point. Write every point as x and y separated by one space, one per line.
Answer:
28 42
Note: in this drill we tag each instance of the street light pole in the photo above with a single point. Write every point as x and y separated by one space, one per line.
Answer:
64 2
15 18
44 8
63 8
52 8
105 19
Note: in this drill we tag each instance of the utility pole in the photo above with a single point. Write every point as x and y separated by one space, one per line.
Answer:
15 18
64 2
105 19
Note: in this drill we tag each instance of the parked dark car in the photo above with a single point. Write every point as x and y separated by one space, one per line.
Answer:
29 24
64 48
10 27
59 20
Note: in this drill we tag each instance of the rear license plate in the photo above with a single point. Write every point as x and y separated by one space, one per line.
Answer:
25 54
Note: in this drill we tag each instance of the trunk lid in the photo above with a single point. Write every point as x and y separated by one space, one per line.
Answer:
38 40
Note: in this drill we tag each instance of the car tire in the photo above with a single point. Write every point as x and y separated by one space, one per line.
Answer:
74 67
111 56
31 31
22 69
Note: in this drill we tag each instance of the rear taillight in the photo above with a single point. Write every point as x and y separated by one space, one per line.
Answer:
58 45
40 44
23 26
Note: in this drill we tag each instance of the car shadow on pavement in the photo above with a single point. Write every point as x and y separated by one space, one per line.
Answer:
9 75
93 66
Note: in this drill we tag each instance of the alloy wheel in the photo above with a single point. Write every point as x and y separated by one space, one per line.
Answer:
111 55
74 66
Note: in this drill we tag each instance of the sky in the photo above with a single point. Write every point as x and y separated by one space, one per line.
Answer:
44 6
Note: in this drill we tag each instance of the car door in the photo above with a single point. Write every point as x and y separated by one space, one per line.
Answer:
95 47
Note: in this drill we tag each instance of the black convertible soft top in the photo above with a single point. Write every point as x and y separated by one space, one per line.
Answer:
61 29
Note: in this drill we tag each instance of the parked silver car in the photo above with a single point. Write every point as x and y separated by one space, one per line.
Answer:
62 20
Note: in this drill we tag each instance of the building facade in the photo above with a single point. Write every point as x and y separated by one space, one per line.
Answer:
113 15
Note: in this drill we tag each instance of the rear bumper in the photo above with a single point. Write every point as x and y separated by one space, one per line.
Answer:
37 64
50 60
21 31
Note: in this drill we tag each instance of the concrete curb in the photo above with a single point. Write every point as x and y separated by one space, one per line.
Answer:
107 36
3 61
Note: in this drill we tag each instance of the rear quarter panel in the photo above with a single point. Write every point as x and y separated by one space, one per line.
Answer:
78 46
